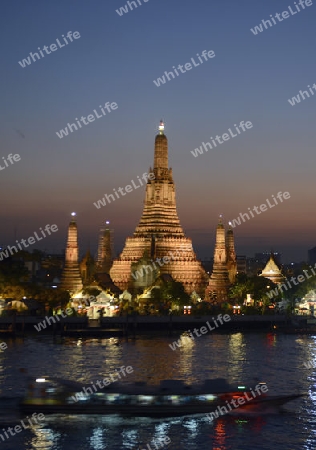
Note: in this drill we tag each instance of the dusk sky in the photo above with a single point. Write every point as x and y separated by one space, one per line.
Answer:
116 60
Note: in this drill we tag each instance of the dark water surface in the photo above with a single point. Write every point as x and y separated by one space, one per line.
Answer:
277 360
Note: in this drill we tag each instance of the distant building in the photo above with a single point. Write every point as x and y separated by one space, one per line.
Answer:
263 258
33 268
241 261
207 264
51 268
256 264
312 256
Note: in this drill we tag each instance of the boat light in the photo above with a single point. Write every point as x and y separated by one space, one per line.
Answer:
40 380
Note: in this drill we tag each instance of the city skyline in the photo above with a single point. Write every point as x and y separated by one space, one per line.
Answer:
229 76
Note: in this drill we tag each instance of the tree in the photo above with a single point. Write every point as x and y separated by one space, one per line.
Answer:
94 292
256 286
240 288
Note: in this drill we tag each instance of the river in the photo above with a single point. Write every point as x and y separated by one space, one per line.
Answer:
276 359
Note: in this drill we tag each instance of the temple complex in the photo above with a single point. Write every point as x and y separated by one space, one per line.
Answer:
71 280
272 271
159 245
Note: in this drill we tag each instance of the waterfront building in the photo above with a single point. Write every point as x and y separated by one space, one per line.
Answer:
272 271
312 256
159 243
263 257
241 261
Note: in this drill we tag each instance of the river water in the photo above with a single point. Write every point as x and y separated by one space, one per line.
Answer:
247 358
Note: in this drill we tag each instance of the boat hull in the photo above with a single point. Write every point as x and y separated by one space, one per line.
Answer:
153 410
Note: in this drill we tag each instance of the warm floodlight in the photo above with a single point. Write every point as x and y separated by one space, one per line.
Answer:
161 127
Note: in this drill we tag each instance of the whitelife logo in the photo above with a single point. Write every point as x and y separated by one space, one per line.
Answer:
18 428
221 319
49 320
31 240
128 188
243 125
310 365
131 5
285 15
101 384
11 158
42 325
303 94
263 207
165 260
157 444
64 132
52 47
260 389
188 66
300 279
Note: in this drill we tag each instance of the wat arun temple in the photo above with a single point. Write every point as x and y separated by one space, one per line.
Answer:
159 248
159 232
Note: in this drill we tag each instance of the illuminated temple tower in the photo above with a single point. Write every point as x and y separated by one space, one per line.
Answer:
71 279
159 233
104 259
217 289
231 255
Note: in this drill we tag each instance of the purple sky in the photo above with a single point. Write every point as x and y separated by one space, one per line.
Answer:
116 59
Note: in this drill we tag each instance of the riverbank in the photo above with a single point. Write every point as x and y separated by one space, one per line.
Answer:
132 325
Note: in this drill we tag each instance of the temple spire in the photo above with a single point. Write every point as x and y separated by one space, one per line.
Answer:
105 249
231 255
217 289
161 149
161 127
71 279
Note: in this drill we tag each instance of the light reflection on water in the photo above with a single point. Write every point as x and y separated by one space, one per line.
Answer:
237 353
276 359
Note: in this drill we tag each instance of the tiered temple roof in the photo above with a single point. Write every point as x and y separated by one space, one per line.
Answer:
159 233
272 271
